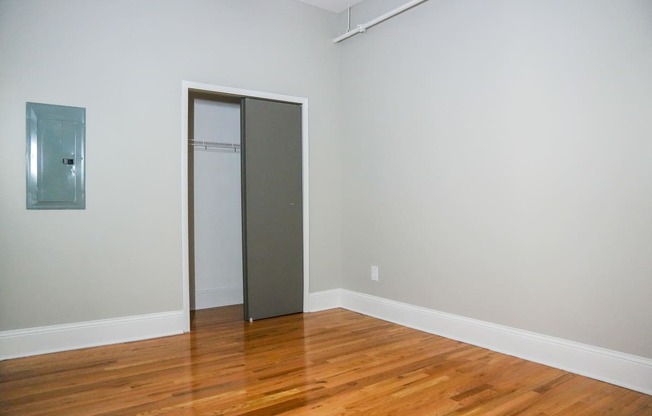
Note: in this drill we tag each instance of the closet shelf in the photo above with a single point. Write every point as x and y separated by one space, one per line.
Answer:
214 145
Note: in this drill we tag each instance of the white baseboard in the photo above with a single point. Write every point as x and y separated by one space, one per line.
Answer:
327 299
613 367
42 340
213 298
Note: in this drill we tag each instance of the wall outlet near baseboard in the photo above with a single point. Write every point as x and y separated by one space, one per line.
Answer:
374 273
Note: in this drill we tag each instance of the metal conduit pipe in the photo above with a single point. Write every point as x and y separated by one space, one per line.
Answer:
363 28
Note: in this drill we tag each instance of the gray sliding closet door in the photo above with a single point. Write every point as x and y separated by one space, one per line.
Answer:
272 208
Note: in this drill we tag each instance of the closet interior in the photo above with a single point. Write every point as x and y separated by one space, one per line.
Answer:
215 220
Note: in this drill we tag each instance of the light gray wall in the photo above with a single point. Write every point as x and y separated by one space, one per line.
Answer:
124 60
217 208
498 164
496 161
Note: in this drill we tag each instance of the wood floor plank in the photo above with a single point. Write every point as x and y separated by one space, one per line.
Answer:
329 363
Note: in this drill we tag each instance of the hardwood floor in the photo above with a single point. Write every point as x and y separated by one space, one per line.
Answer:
327 363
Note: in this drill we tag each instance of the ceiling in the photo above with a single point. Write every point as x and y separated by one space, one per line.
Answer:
336 6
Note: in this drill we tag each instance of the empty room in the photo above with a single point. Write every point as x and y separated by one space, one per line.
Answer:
326 207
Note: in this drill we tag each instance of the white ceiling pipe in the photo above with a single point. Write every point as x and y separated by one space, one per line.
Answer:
363 28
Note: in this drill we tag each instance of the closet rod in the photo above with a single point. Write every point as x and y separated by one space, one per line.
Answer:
214 145
363 28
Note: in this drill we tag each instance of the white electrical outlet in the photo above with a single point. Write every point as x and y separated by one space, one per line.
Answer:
374 273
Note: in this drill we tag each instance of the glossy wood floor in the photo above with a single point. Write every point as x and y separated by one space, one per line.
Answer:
327 363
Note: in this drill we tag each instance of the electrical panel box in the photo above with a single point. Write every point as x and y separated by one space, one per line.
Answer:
56 137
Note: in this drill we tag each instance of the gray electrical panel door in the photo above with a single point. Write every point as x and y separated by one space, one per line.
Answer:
272 208
55 157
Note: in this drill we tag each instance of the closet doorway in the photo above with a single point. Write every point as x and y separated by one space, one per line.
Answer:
245 222
215 209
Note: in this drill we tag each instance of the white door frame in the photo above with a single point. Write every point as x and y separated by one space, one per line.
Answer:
186 88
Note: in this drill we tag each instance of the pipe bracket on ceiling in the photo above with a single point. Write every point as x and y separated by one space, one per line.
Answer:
363 28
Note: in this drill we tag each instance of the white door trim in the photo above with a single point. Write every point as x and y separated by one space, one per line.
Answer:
186 88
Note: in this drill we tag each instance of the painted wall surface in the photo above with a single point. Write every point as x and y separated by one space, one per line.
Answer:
217 207
124 61
498 163
497 159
